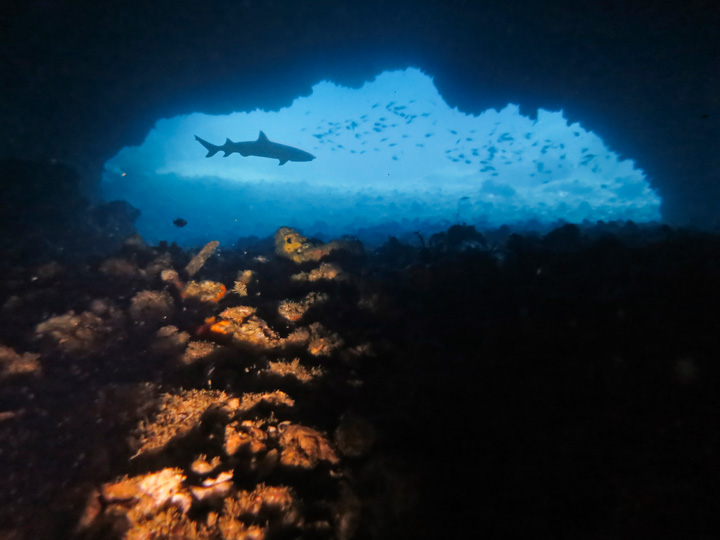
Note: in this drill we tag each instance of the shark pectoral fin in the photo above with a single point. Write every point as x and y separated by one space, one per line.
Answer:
283 162
226 153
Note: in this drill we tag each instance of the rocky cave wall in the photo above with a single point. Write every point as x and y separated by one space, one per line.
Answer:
82 80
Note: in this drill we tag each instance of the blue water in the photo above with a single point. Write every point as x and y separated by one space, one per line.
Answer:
390 155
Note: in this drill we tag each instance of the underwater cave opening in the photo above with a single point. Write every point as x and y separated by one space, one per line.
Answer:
391 157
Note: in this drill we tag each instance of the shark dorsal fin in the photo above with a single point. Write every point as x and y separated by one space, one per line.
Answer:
262 137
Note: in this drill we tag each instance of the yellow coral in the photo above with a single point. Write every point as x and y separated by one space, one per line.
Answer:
288 240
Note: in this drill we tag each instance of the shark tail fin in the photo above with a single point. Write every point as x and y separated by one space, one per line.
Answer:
211 148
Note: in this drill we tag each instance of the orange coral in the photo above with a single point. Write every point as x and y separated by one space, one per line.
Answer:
221 327
222 290
205 291
244 327
304 447
12 363
149 493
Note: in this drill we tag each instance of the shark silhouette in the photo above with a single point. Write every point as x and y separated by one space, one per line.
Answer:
262 147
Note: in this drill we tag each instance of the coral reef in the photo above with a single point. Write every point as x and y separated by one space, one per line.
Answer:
199 260
151 308
198 350
245 279
291 244
177 415
294 311
243 327
293 369
170 341
304 447
383 395
12 363
84 334
328 271
204 291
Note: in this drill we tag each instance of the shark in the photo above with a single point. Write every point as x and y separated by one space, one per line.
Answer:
262 147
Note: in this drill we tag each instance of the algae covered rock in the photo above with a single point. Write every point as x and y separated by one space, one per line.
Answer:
304 447
198 261
204 291
13 363
292 245
80 335
151 307
293 311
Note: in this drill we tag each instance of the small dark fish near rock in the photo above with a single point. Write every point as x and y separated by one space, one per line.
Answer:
179 222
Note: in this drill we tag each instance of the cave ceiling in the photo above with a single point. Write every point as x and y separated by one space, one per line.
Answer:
82 80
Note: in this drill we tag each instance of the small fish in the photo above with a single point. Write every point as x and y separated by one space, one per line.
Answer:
179 222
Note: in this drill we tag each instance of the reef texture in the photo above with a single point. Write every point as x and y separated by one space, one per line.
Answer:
474 385
291 244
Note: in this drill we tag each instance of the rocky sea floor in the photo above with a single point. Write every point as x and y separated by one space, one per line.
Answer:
462 386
